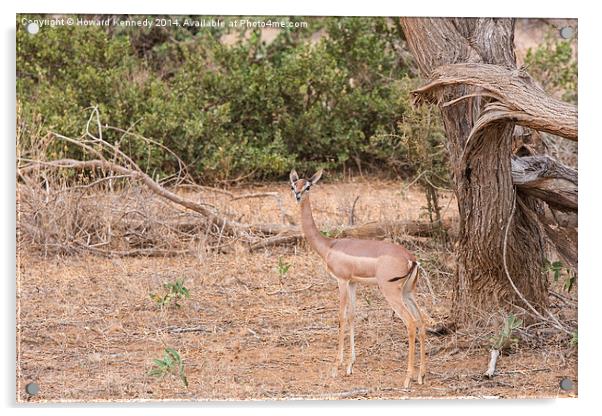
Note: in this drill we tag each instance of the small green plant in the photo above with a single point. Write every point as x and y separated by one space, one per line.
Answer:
574 339
558 270
175 291
505 339
327 233
282 267
569 281
170 364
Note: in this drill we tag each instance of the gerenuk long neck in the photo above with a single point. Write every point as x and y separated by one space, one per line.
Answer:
320 243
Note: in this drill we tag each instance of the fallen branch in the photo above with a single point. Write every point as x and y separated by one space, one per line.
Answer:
277 234
178 330
343 394
372 230
228 226
565 300
276 241
93 228
255 195
147 252
135 174
524 372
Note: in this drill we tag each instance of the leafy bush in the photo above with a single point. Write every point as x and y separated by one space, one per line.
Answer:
554 66
242 108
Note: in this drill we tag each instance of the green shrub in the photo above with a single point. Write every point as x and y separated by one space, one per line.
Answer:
242 109
554 66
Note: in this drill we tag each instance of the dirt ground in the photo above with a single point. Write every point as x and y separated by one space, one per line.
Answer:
88 330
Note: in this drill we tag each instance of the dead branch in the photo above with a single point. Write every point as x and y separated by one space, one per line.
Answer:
230 226
276 241
278 234
178 330
566 301
386 228
71 219
207 188
255 195
147 252
378 230
344 394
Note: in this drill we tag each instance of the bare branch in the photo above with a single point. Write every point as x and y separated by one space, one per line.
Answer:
380 230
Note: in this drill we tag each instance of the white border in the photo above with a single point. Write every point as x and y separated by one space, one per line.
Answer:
589 283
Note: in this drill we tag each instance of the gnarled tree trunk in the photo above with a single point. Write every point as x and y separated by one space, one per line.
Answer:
482 97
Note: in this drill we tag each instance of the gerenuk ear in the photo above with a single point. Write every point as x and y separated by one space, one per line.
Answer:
316 177
294 177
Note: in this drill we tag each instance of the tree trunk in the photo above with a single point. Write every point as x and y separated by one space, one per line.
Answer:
480 128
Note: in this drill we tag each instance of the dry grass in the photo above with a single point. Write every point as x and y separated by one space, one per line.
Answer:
88 330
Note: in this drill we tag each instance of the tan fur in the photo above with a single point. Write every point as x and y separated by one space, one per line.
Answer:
353 261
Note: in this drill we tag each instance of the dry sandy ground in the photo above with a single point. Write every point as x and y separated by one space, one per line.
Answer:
88 330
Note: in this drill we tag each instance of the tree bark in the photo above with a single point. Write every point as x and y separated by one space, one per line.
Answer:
517 97
468 61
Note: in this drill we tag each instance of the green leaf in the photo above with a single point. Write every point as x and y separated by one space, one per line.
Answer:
574 339
173 354
569 282
155 372
168 360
